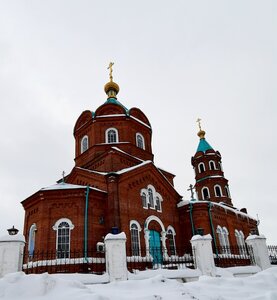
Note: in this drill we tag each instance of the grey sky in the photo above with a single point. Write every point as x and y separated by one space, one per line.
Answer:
175 60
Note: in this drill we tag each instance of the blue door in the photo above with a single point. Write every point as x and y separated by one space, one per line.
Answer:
155 247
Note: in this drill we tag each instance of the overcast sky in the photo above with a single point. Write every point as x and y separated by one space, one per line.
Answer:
175 60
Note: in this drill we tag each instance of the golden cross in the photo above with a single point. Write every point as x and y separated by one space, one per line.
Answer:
111 70
199 124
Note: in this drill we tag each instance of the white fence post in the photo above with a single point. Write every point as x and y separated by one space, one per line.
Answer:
11 253
116 260
203 254
260 251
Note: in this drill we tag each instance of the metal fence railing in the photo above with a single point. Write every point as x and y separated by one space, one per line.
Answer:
232 256
155 258
64 262
272 252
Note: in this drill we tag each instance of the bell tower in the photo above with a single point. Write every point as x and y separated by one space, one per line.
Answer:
210 185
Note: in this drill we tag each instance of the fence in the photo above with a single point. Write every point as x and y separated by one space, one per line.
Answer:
64 262
233 256
154 258
272 251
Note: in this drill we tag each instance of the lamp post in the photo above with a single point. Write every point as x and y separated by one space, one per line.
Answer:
12 231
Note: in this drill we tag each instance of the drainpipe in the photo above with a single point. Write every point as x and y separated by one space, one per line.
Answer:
86 227
191 219
212 227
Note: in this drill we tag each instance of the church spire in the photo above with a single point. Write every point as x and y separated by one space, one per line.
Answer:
203 144
111 88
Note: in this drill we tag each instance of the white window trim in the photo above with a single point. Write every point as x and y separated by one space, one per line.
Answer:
106 135
56 227
221 194
32 230
143 142
82 148
210 165
139 230
173 234
227 191
199 167
155 196
202 192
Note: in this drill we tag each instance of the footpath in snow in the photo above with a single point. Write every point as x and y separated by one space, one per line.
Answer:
261 286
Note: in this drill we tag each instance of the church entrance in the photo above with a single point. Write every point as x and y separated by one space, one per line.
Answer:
155 247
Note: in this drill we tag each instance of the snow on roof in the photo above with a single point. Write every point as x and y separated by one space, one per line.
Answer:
140 122
127 153
68 186
108 116
234 210
92 171
12 238
146 162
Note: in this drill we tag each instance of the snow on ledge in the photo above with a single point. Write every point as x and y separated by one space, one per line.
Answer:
201 237
12 238
255 237
119 236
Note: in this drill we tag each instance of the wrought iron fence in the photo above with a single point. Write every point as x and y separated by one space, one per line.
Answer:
64 262
272 252
232 256
156 257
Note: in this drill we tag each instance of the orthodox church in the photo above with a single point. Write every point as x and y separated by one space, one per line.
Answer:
115 187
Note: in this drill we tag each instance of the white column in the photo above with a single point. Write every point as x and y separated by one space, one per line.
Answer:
163 239
260 251
146 237
203 254
11 253
116 260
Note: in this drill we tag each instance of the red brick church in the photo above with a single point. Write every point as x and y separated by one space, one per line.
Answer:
115 186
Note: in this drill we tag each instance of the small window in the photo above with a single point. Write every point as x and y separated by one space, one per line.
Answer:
171 242
218 191
240 242
220 166
111 135
158 204
151 199
201 167
144 200
32 240
140 141
205 193
223 239
135 244
227 191
212 165
84 144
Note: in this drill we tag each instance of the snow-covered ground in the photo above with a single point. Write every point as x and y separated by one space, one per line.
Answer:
260 286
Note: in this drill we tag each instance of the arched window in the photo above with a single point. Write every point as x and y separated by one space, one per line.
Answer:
135 242
201 167
63 228
212 165
111 135
171 240
151 198
220 166
205 193
223 239
227 191
84 144
158 204
218 191
240 241
144 200
140 141
32 239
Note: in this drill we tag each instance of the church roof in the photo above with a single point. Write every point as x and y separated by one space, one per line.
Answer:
116 102
67 186
203 146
